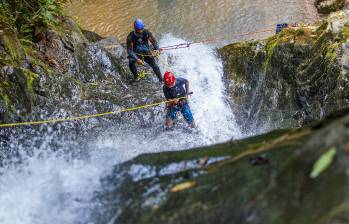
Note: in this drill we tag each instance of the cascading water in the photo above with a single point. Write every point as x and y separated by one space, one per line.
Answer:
55 186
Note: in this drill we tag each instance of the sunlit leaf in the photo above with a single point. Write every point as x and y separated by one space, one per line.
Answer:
323 162
183 186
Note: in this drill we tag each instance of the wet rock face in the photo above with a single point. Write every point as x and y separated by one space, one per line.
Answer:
67 72
290 79
263 179
328 6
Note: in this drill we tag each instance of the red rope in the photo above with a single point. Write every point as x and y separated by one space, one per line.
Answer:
186 45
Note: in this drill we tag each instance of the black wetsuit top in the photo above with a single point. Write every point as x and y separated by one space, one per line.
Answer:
177 91
140 43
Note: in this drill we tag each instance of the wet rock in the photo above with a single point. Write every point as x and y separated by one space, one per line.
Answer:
258 160
231 190
91 36
328 6
64 71
301 71
113 47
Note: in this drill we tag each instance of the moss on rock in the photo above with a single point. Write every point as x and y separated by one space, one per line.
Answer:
293 77
328 6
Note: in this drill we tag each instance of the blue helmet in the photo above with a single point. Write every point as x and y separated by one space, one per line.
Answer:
138 24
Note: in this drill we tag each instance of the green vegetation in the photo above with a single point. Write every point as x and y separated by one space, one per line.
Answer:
21 21
24 16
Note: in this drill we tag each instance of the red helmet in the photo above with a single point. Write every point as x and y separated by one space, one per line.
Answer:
169 78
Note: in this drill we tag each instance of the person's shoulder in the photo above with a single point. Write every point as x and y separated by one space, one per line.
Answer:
165 89
146 32
130 35
180 79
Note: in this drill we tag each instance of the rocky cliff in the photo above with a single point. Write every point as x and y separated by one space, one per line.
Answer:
328 6
58 70
289 79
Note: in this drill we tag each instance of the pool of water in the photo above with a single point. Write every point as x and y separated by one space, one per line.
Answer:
192 20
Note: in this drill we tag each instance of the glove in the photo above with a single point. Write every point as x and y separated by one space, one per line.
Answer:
156 53
140 62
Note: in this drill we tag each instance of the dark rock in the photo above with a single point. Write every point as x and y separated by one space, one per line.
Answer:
290 79
328 6
91 36
65 72
258 160
113 47
233 191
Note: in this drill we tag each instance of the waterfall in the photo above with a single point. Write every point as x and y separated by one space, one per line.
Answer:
56 186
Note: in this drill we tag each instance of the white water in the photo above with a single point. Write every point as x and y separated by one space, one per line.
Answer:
58 188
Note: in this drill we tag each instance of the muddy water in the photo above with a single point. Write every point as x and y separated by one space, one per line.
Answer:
189 19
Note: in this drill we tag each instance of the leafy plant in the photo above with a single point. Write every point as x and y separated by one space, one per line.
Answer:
23 16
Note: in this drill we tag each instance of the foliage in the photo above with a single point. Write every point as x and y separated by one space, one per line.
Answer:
323 163
22 17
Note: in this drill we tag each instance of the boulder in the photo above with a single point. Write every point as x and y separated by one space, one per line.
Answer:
287 176
289 79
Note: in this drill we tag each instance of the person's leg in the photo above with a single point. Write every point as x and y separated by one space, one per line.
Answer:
171 116
188 116
155 67
133 68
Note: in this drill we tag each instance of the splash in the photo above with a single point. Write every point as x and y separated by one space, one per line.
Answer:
212 114
56 186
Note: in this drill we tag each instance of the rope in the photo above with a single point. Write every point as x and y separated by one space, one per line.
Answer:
187 45
166 48
83 117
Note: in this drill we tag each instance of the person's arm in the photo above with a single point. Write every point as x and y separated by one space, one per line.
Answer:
186 83
166 96
166 93
153 41
130 51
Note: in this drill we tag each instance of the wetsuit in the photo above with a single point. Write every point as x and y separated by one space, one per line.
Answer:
178 91
139 43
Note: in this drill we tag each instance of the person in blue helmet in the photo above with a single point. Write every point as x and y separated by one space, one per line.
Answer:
175 88
139 51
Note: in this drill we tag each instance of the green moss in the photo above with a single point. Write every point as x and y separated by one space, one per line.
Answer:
233 149
299 36
4 97
14 48
271 45
324 7
31 78
240 56
344 34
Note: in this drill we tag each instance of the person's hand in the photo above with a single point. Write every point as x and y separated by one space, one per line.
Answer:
156 53
174 102
140 62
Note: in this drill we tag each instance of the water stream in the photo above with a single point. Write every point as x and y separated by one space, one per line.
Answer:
57 185
53 177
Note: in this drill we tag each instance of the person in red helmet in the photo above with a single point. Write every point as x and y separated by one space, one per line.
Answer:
175 88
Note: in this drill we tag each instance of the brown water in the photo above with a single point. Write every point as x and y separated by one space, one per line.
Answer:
189 19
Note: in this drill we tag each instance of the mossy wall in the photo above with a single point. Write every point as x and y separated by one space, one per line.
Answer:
328 6
290 78
47 63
